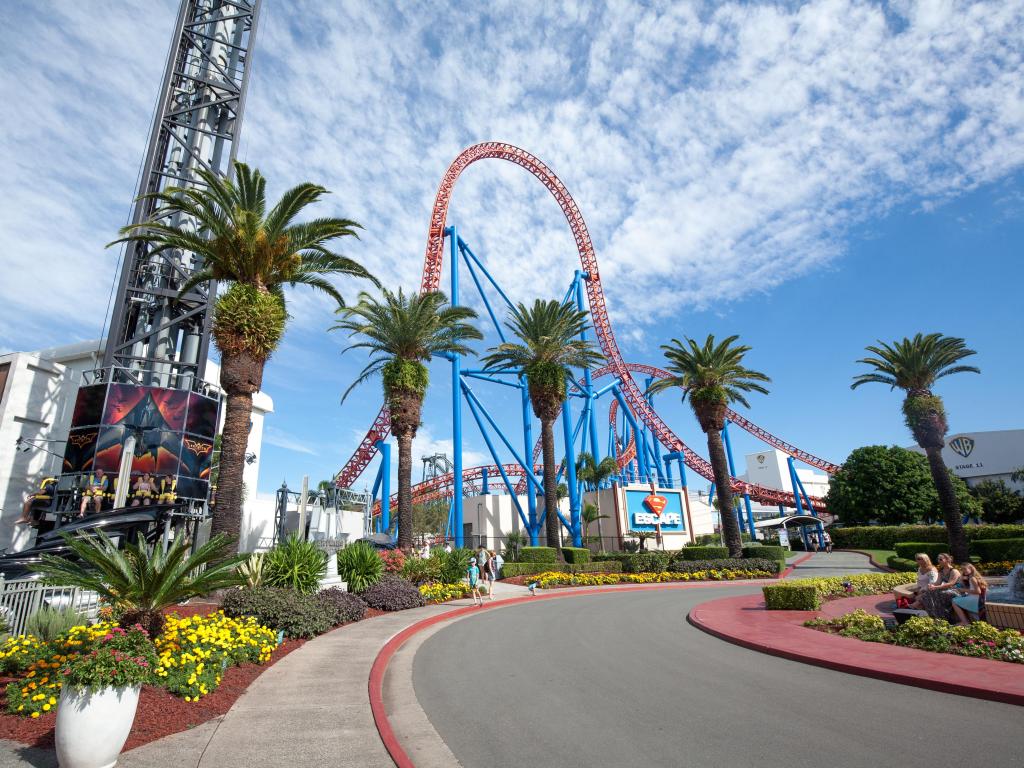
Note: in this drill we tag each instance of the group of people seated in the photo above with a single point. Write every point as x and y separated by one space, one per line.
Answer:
146 488
947 591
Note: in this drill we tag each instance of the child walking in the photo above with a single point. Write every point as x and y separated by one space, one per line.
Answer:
474 581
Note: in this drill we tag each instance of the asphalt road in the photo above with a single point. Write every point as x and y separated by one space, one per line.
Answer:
623 680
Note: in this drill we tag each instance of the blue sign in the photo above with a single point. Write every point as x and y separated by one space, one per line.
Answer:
642 517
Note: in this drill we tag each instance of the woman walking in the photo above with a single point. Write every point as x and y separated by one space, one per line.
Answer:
491 572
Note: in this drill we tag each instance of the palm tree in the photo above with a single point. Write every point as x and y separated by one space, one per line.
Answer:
226 225
140 580
591 514
403 333
914 365
595 474
550 346
713 377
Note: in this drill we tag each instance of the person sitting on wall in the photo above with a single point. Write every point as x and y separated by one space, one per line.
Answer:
37 502
168 486
95 489
968 607
927 574
142 491
937 598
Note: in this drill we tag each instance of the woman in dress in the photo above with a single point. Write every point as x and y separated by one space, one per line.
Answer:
927 574
967 606
937 598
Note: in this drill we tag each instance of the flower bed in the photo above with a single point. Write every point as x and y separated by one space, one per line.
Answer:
442 593
979 639
560 579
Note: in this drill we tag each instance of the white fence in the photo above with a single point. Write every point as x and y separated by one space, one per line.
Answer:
20 598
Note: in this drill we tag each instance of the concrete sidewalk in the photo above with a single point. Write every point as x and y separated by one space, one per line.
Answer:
312 708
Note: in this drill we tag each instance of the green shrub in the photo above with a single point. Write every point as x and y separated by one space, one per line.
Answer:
47 624
296 614
792 595
647 562
730 563
452 566
765 552
618 557
576 555
346 606
421 570
359 565
538 555
898 563
508 570
703 553
296 564
886 536
393 593
908 549
995 550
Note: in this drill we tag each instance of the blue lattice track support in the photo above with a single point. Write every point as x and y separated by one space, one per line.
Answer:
456 361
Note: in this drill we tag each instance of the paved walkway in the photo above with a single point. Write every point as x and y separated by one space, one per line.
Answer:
833 564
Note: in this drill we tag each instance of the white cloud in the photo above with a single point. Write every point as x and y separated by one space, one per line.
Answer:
281 439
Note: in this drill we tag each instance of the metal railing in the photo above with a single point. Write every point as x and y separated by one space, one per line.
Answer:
20 598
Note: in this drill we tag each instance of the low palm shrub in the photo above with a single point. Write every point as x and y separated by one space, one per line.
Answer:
295 563
452 565
251 571
392 593
422 570
347 607
359 565
140 581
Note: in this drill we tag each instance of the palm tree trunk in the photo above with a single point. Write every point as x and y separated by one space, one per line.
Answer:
723 487
405 533
950 505
551 524
227 514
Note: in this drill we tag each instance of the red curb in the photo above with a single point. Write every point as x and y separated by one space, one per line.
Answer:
384 656
796 562
744 621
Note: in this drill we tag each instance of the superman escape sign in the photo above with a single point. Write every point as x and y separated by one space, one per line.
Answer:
648 510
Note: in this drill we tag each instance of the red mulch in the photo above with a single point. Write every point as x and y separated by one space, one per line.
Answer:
160 714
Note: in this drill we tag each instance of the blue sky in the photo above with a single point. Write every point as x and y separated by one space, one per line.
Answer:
812 177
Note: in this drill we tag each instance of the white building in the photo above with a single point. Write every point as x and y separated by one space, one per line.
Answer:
37 398
980 456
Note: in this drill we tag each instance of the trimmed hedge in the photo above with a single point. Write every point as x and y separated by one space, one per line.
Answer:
647 562
538 555
732 564
509 570
807 594
703 553
576 555
908 549
619 557
898 563
886 536
996 550
765 552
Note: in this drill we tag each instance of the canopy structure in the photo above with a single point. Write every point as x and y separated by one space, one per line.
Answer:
778 522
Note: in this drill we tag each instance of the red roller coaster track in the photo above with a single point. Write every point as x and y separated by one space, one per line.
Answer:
632 394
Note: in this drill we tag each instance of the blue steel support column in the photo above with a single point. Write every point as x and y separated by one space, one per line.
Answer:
796 489
533 527
483 482
654 438
385 483
732 471
570 473
668 472
594 450
453 261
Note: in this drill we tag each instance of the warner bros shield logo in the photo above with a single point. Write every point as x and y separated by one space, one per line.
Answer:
962 445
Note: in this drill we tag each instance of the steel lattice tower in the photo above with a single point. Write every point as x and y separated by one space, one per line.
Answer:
155 337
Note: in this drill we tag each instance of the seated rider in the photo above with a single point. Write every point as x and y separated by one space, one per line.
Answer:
37 502
95 489
168 486
143 490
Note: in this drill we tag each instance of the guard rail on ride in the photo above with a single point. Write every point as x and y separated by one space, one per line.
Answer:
20 598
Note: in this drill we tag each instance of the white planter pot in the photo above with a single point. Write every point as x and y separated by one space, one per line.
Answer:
92 727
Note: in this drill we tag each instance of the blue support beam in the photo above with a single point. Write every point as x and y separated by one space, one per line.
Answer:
453 243
385 483
570 475
533 525
473 400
